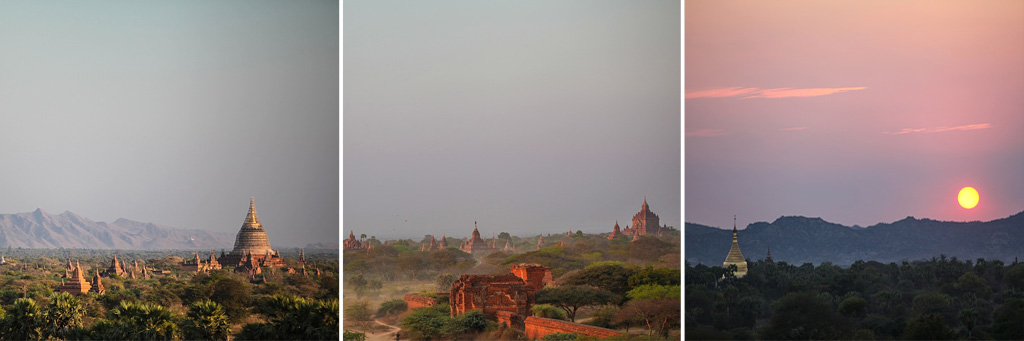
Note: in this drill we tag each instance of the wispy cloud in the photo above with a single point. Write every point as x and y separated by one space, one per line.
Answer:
705 132
793 128
767 93
940 129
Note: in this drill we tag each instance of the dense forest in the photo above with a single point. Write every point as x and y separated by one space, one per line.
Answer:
936 299
169 306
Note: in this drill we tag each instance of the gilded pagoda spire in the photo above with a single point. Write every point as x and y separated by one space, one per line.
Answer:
251 219
735 257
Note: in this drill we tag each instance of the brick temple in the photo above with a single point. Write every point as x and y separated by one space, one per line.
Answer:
644 222
476 244
76 283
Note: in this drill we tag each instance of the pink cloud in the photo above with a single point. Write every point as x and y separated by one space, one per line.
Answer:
940 129
785 92
723 92
793 128
767 93
705 132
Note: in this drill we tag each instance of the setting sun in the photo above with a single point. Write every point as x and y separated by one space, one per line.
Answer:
968 197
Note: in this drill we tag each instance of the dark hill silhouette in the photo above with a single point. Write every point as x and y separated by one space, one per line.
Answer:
799 240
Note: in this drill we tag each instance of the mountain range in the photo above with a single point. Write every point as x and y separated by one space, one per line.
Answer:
798 240
39 229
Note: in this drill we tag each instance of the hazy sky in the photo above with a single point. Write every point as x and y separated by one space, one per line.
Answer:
858 112
527 116
173 112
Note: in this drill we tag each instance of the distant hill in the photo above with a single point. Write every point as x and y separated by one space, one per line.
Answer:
799 240
39 229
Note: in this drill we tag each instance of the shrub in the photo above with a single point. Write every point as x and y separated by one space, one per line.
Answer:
392 307
547 311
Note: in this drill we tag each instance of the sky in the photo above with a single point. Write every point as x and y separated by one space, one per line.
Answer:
858 112
173 112
527 117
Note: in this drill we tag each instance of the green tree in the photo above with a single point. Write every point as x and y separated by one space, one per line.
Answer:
1008 320
804 316
571 297
473 321
652 275
63 315
654 292
854 307
504 235
444 282
392 307
929 303
206 320
969 318
971 283
611 277
928 327
23 321
137 321
358 311
1015 277
298 318
547 311
603 316
232 295
427 323
659 315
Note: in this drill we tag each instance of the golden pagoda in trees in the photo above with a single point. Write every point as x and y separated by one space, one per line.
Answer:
735 257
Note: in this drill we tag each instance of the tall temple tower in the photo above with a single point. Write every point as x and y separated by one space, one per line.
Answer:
645 221
735 257
252 239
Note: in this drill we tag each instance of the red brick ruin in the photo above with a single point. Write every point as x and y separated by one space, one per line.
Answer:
508 298
537 327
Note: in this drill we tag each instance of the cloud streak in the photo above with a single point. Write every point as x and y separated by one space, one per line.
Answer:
767 93
705 133
793 128
939 129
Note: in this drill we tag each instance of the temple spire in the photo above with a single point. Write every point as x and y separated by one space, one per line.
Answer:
251 219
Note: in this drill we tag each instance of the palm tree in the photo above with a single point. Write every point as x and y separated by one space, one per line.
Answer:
64 313
23 321
206 321
137 321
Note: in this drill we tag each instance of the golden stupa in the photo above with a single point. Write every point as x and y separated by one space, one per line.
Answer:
735 257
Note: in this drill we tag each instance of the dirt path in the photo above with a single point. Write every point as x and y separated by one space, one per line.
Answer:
388 335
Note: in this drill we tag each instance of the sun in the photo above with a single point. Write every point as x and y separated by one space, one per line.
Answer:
968 197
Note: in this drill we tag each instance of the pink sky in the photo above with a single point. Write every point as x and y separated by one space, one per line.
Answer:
858 112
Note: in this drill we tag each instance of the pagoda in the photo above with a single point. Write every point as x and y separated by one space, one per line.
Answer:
476 244
615 231
252 239
97 285
645 221
76 285
768 259
352 243
735 257
115 269
444 242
